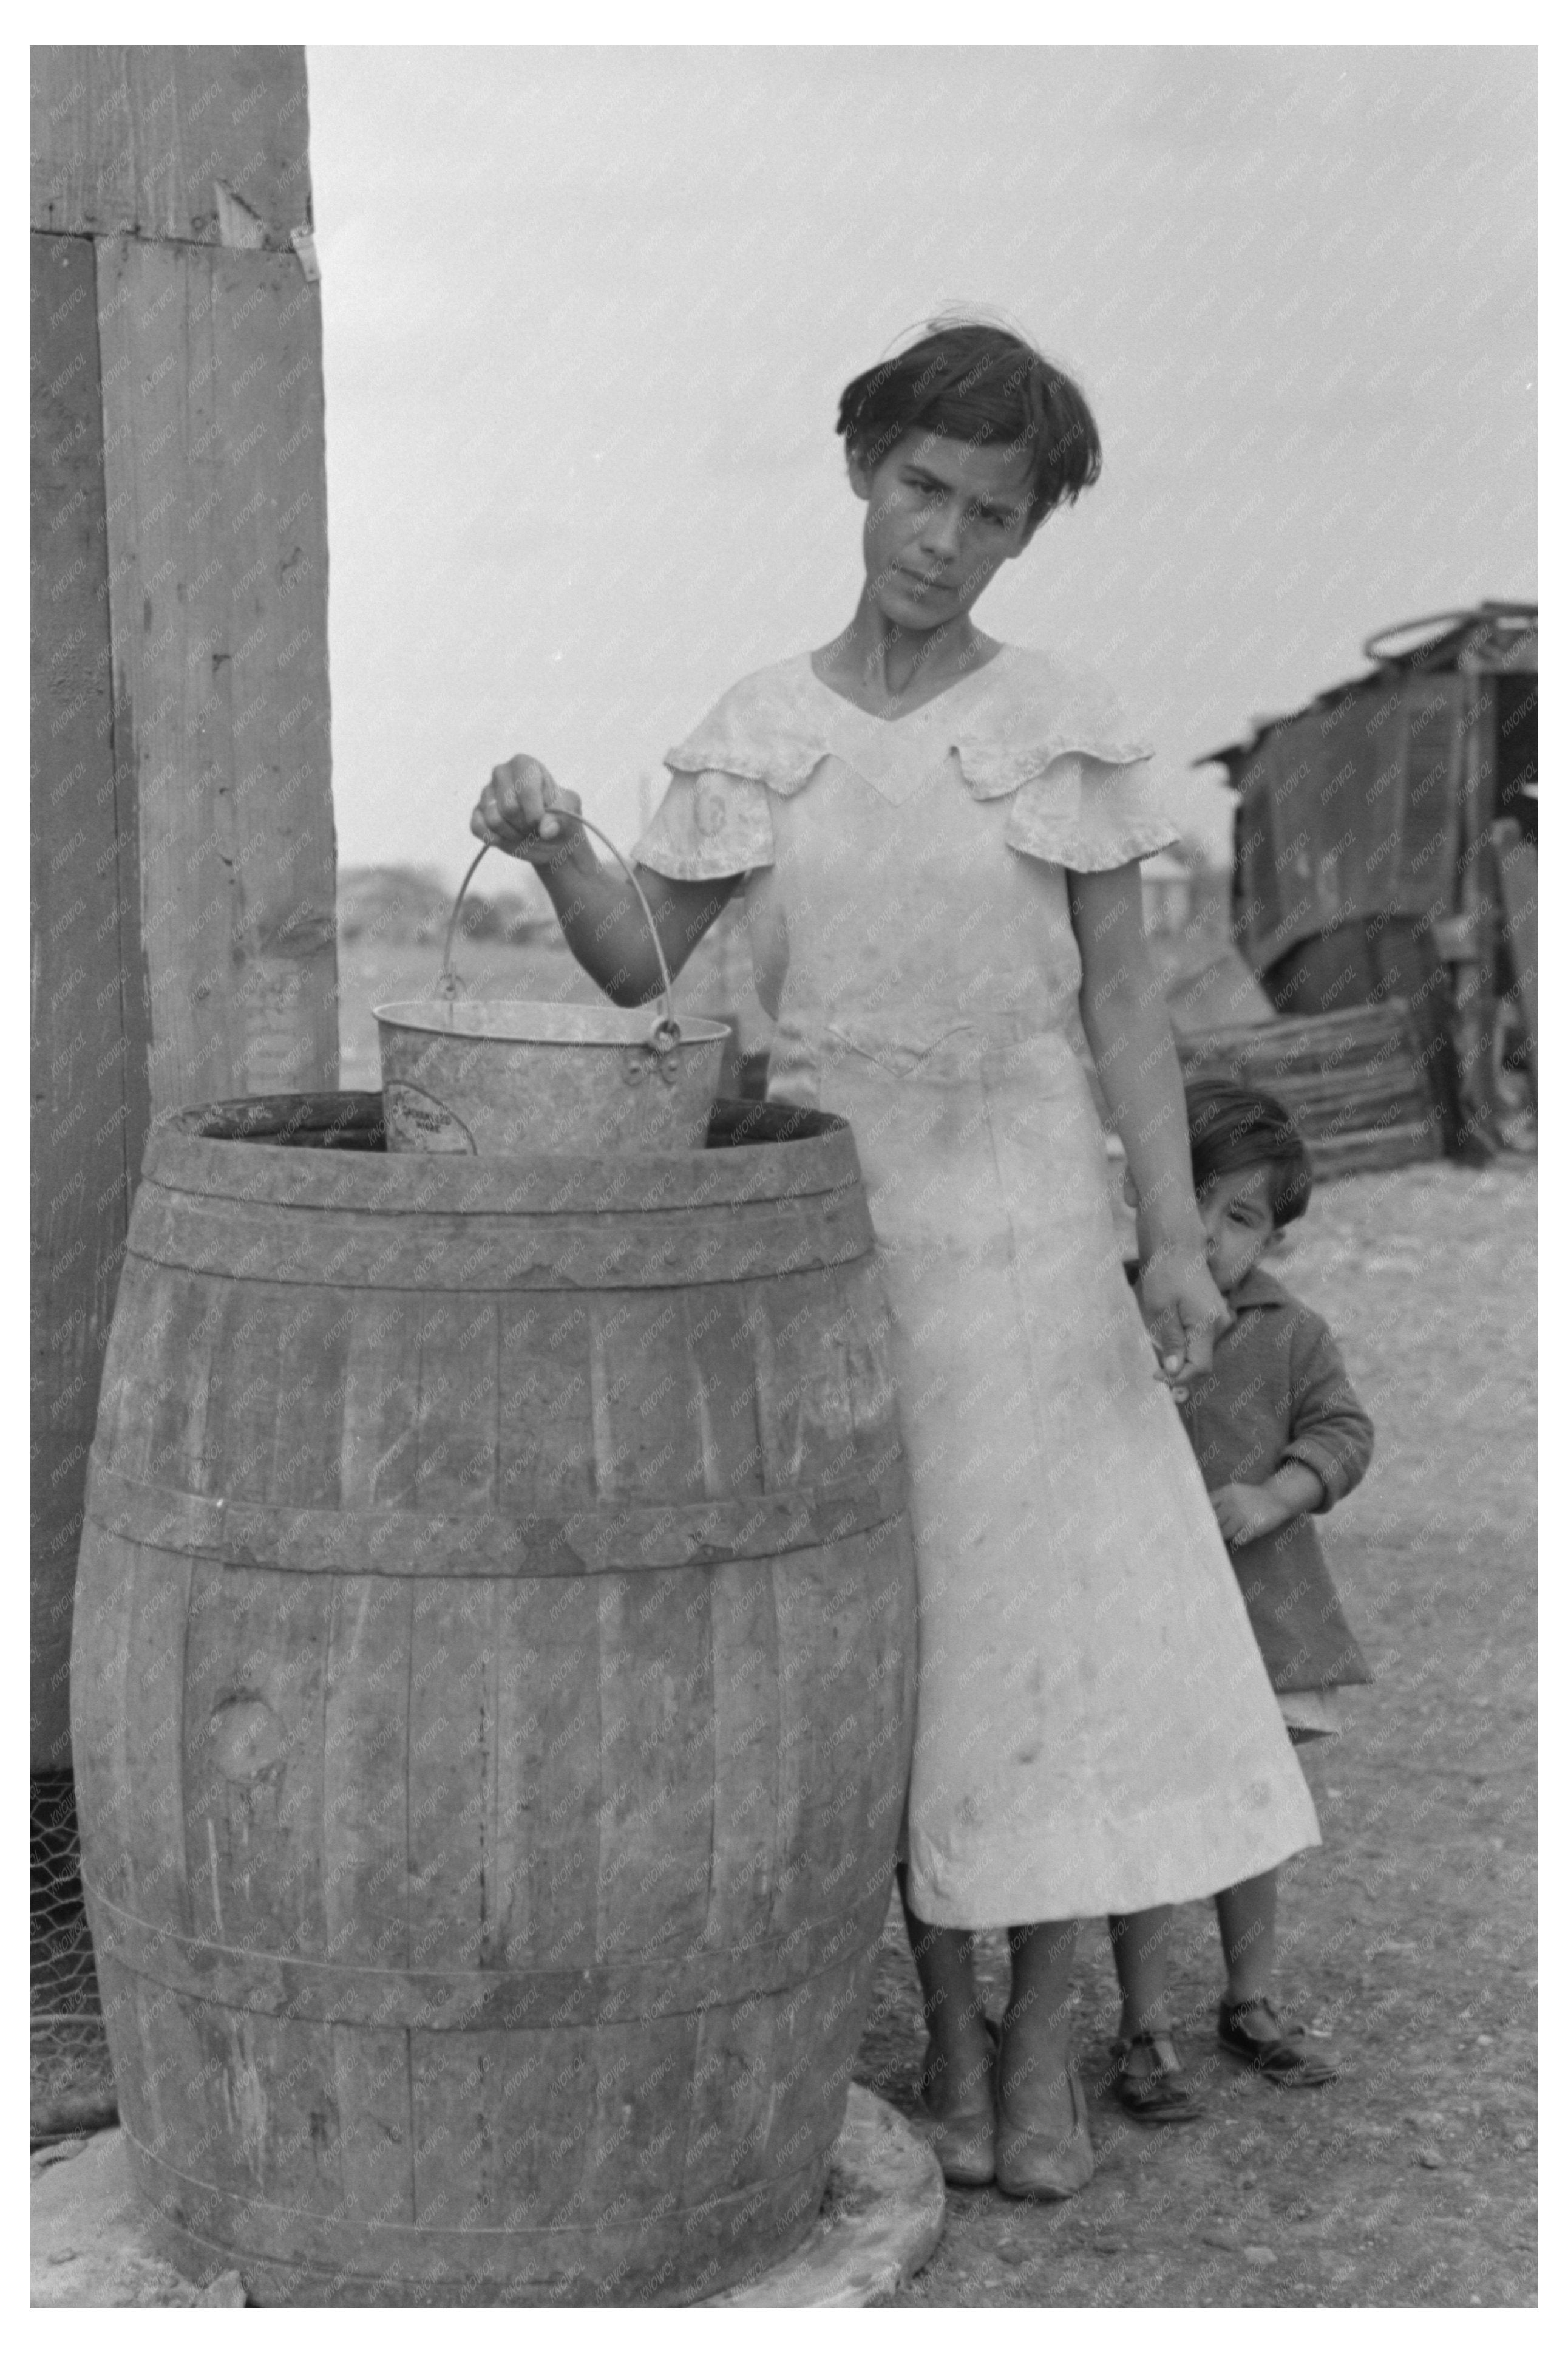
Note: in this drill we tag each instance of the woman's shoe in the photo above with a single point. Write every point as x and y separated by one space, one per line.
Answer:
1039 2164
963 2142
1164 2095
1282 2056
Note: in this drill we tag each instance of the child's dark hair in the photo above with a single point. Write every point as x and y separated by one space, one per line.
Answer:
1233 1126
971 381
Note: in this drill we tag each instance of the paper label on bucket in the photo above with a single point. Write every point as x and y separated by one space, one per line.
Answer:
416 1122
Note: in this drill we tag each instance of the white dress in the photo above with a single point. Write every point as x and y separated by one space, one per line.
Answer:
1095 1730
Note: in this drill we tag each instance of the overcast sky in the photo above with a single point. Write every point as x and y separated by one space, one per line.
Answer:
588 313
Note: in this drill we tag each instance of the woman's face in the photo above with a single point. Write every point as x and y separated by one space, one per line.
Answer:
941 518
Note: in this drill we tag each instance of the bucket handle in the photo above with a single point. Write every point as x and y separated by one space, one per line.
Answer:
664 1035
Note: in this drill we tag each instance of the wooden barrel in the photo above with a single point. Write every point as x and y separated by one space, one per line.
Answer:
493 1688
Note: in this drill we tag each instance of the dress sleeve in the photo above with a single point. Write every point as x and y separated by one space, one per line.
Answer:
1088 814
706 827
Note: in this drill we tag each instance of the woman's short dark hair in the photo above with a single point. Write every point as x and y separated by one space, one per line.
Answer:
974 382
1233 1126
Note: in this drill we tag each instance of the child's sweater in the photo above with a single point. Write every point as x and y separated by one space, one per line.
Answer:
1278 1392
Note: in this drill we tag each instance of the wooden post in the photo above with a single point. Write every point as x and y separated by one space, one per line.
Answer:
1469 940
1517 881
183 855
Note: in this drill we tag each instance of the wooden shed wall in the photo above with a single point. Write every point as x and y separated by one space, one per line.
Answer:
183 858
1350 811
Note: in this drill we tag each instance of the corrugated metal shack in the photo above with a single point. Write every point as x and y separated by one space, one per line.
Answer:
1386 848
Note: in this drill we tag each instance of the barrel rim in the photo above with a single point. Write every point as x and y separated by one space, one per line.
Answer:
752 1154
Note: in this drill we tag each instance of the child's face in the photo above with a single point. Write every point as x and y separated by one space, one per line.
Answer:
1238 1218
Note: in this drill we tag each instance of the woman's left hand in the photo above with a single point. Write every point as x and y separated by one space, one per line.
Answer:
1184 1309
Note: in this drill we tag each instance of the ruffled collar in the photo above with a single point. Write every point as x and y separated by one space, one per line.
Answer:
1005 722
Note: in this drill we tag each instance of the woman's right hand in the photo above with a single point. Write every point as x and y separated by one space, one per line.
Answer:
522 811
1184 1308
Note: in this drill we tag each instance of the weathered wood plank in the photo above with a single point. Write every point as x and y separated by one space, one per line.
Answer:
275 2081
517 1829
451 1706
732 2100
1426 803
364 1787
179 1372
655 1808
544 1439
1312 1042
722 1392
1519 884
647 1441
238 1438
800 1346
831 1642
499 2121
170 2098
378 1459
460 1357
310 1378
100 1669
149 1764
564 1682
1396 1146
744 1637
255 1674
214 460
373 2090
201 143
89 1100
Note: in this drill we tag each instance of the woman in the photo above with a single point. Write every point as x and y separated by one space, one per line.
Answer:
937 836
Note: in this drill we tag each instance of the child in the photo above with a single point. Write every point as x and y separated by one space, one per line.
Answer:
1280 1434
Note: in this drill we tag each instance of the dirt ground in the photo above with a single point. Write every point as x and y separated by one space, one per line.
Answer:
1407 1939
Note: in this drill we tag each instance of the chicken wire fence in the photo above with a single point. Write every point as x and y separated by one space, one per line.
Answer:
71 2085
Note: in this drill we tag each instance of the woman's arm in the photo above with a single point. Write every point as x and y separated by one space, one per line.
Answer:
524 812
1129 1030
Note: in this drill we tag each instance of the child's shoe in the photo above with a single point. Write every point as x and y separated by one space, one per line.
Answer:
1165 2093
1280 2052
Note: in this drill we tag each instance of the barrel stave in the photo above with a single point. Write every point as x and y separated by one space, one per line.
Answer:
836 1759
251 1699
307 1342
544 1431
553 1788
364 1772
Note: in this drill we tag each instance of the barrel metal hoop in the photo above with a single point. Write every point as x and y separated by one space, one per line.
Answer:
494 1253
339 1993
444 1545
319 2256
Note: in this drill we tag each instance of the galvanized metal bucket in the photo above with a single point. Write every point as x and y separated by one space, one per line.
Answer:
508 1077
